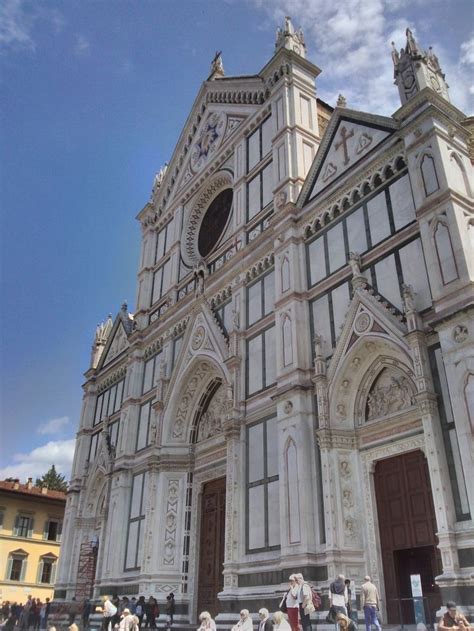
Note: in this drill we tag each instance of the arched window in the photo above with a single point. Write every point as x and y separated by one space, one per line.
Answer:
458 177
428 174
287 341
444 252
285 275
291 457
469 398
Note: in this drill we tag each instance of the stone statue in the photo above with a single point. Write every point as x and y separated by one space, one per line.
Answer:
408 296
217 67
355 263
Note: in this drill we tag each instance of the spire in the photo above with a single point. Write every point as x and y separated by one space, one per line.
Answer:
415 69
217 67
158 180
102 333
291 39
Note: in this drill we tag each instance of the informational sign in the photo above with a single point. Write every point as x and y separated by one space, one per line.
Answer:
417 595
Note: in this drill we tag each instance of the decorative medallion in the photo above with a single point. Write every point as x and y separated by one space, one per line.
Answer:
287 407
362 323
198 338
208 140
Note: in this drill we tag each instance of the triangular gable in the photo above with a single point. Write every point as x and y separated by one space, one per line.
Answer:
349 137
368 314
117 343
213 131
220 108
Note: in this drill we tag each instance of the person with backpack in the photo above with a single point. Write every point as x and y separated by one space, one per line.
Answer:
305 602
140 610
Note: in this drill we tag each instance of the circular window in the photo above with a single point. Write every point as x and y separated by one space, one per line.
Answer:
214 222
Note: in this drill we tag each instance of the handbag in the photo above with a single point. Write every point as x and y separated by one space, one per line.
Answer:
331 617
283 606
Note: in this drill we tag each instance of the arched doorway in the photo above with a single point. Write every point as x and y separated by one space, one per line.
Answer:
408 539
209 449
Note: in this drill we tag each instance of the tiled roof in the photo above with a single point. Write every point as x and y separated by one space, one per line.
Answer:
36 491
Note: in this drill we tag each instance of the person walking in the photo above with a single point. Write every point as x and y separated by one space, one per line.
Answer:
289 603
245 622
207 623
86 612
370 601
140 609
338 595
265 622
280 623
305 602
170 609
109 611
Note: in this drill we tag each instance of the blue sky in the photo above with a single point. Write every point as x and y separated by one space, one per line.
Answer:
93 97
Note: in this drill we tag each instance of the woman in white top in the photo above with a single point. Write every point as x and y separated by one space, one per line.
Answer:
280 621
290 599
245 622
207 623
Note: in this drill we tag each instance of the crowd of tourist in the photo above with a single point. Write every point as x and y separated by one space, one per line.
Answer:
33 614
294 613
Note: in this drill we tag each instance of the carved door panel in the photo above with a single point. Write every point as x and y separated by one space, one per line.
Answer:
211 548
407 529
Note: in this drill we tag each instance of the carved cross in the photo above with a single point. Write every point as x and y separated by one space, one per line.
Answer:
343 142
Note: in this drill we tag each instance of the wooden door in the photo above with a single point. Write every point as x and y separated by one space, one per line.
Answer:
211 548
407 529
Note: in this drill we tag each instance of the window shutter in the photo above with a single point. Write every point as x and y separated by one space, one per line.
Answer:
46 529
59 532
31 527
16 526
23 570
9 569
53 573
40 572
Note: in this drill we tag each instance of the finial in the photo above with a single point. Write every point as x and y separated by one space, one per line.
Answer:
217 67
341 101
158 180
124 306
395 55
412 46
291 39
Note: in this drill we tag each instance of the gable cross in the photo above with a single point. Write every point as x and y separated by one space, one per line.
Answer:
343 142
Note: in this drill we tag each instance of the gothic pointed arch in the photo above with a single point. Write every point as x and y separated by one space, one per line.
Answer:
372 340
203 354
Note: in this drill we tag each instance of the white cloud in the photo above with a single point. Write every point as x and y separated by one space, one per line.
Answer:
15 26
467 52
53 426
18 21
351 41
82 46
39 460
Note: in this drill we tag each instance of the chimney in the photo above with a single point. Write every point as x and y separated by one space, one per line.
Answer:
44 490
30 483
16 483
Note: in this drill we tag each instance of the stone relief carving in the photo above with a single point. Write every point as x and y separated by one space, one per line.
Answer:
211 420
171 522
119 344
362 322
389 394
201 373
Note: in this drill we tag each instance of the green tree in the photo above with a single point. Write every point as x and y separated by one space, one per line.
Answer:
53 480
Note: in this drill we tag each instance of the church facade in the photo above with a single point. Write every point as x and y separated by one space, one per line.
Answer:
294 391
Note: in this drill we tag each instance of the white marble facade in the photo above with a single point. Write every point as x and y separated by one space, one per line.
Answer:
327 327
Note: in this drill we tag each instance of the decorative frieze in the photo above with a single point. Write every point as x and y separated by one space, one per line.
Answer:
171 521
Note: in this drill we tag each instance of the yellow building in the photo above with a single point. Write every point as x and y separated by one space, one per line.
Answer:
31 521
